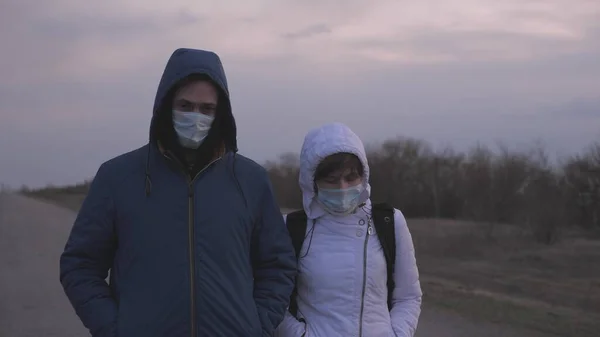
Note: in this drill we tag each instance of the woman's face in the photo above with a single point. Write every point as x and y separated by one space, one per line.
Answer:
341 179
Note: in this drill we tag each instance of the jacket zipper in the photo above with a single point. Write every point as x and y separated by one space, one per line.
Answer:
191 256
191 249
364 283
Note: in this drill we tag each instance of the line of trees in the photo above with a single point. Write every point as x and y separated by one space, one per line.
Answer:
77 189
489 186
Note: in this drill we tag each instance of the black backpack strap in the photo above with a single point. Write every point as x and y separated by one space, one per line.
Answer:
383 219
296 225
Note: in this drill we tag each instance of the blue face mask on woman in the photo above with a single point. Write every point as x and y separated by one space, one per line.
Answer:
340 201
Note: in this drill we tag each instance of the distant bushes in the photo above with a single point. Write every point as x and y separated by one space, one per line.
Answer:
484 185
501 186
49 191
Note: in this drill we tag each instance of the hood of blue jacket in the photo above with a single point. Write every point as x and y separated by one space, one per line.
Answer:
185 62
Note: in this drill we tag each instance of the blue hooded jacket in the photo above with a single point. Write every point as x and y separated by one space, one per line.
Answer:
196 255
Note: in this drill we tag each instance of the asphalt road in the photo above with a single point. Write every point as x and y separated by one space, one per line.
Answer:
32 302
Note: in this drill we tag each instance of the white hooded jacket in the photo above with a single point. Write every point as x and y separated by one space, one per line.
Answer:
342 272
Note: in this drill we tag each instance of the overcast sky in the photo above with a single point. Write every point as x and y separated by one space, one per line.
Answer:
78 78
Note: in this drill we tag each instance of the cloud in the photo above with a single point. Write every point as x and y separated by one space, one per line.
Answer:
79 77
308 32
80 39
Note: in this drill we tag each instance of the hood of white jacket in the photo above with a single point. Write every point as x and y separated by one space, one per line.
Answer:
320 143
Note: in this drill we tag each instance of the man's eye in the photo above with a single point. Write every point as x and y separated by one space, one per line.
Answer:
208 108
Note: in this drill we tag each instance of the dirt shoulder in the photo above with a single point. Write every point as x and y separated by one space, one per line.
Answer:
508 279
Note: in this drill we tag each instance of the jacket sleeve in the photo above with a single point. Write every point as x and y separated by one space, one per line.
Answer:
291 327
274 263
87 258
406 299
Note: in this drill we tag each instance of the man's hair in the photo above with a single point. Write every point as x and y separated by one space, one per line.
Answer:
340 161
193 78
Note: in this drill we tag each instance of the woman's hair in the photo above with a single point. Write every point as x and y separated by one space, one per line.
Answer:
339 162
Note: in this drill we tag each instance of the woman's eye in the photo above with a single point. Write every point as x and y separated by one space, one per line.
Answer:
351 178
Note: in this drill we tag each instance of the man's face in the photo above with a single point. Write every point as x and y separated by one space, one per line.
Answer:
196 96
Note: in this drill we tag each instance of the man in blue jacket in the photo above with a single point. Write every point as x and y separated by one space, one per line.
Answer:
189 229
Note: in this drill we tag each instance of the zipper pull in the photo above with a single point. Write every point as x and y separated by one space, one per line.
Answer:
370 230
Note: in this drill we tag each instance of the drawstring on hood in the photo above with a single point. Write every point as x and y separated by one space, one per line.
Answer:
183 64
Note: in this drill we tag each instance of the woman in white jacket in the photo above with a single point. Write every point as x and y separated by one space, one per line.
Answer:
342 273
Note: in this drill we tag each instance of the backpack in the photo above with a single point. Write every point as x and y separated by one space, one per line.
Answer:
383 220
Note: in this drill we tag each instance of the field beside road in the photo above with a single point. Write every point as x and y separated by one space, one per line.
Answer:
553 289
475 284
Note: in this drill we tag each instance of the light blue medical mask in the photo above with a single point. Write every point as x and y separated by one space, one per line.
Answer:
341 201
191 127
